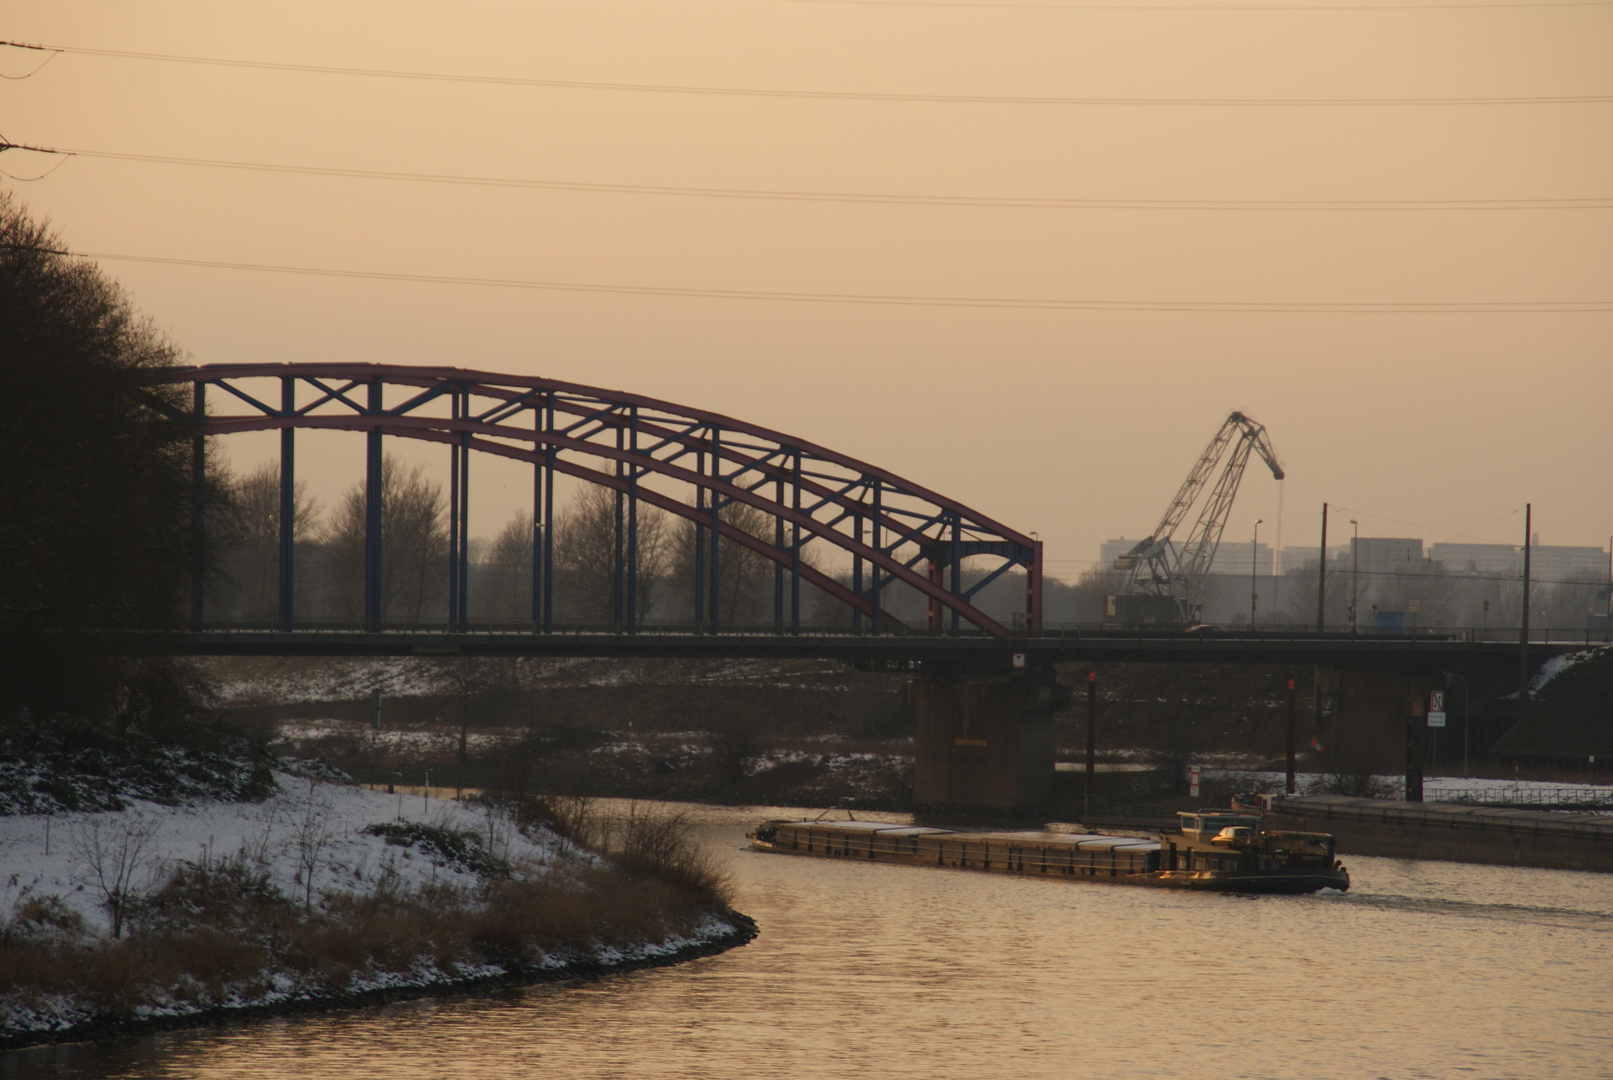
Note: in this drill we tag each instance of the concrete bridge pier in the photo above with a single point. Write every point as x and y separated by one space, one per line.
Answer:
986 741
1379 723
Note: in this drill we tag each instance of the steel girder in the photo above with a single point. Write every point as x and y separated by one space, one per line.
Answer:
687 462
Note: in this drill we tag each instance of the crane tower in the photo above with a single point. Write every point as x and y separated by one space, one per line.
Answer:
1165 578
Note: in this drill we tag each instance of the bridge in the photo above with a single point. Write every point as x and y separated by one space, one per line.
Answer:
983 691
686 462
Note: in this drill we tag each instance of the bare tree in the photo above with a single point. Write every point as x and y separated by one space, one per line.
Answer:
737 736
1299 597
481 683
506 575
1089 594
250 555
314 832
414 545
744 574
110 855
1568 605
585 542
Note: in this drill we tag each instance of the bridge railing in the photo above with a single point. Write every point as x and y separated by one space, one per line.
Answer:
1468 635
1071 632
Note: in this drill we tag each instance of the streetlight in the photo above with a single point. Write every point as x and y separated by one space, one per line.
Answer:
1254 564
1355 571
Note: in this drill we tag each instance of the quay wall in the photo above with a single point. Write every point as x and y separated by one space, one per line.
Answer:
1451 831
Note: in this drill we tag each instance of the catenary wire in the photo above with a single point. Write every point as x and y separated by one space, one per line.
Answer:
907 199
821 95
880 299
1286 9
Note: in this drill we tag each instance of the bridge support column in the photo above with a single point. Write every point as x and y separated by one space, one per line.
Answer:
373 460
198 511
984 742
288 504
1379 727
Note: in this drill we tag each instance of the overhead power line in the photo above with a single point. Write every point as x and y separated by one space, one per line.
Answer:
882 299
877 198
824 95
1299 8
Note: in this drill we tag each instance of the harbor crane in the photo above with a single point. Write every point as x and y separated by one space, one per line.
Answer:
1164 578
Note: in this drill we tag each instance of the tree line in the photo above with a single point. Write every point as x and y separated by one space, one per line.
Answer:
96 538
244 568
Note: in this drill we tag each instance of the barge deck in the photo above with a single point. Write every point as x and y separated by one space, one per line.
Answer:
1216 852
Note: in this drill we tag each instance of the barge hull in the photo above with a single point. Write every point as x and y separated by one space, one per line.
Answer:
1075 856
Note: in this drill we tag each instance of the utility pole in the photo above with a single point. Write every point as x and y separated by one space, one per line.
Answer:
1449 675
1355 571
1321 625
1523 634
1321 578
1254 564
1291 736
1092 740
1416 735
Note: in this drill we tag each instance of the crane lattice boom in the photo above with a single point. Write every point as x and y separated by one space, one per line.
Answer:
1158 565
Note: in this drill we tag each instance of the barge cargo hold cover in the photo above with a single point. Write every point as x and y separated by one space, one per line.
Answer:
1215 851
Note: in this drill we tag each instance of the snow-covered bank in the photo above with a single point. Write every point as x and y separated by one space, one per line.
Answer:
321 858
278 682
1479 790
43 855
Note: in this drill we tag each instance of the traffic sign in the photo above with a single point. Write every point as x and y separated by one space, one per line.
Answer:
1436 701
1436 718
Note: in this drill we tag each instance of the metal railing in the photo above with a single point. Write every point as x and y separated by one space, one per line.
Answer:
1068 631
1533 797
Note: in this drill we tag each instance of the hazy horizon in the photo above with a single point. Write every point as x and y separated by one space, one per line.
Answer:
1076 422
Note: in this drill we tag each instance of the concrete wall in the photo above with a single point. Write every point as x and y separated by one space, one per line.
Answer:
1448 831
982 743
1367 731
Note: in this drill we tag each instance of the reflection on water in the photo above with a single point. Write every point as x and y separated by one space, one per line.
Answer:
1423 969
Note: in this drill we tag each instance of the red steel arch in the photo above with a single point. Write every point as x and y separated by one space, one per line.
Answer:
688 462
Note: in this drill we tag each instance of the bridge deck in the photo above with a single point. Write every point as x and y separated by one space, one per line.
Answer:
896 651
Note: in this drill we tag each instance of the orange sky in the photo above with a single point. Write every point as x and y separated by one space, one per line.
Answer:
1077 424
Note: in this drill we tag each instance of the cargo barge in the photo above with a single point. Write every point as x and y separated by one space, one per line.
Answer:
1214 851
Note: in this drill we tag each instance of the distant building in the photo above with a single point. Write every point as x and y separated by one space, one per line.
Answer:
1298 558
1386 555
1478 558
1546 563
1234 558
1561 563
1402 554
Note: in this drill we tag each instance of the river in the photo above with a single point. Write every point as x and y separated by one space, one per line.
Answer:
1423 969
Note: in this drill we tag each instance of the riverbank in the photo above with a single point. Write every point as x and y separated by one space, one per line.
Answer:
728 930
325 896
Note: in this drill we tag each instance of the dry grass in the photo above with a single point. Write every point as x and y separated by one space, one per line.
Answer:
212 932
646 844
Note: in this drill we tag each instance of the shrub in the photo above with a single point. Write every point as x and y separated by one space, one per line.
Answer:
451 847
